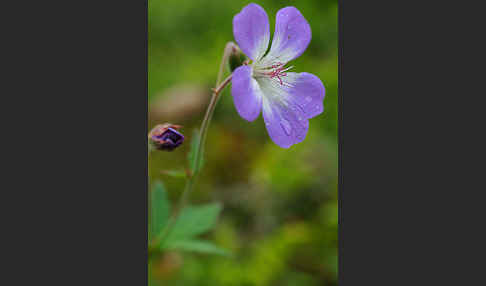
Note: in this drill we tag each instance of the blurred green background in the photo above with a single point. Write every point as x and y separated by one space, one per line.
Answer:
280 205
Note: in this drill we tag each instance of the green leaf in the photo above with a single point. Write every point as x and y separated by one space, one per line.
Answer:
160 208
201 246
194 220
192 153
174 173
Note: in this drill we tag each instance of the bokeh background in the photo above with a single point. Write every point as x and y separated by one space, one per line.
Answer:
280 205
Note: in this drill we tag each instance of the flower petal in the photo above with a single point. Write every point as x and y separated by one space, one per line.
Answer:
246 92
252 31
283 125
307 93
291 38
286 123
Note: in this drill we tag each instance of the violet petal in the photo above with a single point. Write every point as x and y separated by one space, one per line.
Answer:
291 38
246 92
285 121
285 126
252 31
307 93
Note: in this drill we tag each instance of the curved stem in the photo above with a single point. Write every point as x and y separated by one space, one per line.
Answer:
207 120
198 155
229 48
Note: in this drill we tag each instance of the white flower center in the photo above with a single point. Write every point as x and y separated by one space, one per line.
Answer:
275 71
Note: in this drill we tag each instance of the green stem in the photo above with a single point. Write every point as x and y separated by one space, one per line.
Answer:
207 120
158 241
198 156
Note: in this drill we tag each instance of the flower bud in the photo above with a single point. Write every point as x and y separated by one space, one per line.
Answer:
236 57
166 137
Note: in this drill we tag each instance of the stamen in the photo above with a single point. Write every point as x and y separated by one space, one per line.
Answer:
279 71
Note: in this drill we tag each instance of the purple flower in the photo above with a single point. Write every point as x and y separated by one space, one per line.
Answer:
166 137
288 99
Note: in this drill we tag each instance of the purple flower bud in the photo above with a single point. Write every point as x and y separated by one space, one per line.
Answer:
166 137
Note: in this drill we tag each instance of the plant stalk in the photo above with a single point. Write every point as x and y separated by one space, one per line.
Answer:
158 241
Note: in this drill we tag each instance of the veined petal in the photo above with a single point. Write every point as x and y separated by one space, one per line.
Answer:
307 93
246 92
252 31
284 126
286 123
291 38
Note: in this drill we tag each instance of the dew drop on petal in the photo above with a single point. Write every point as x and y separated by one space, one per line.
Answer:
285 126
